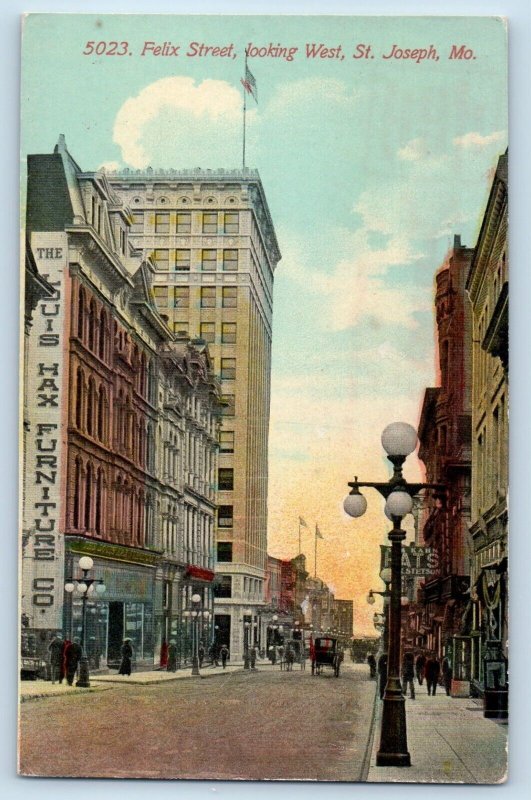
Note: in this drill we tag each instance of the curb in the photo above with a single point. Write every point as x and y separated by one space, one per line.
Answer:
366 763
27 698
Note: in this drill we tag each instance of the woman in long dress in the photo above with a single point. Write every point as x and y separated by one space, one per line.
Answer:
127 655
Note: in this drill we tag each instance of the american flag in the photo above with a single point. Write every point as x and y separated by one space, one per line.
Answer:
318 534
249 83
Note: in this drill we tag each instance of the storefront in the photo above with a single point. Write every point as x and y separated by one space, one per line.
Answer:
124 610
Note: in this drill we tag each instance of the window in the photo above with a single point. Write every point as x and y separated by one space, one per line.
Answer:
229 297
228 408
209 260
161 296
181 328
207 332
231 223
210 222
162 223
182 297
184 222
228 332
225 516
182 260
208 297
226 479
137 222
222 586
224 551
230 260
226 441
161 259
228 369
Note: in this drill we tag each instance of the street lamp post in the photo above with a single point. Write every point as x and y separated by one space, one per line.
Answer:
85 586
194 614
399 440
246 628
385 575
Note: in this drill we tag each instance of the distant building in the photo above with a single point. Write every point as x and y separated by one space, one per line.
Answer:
210 235
445 448
487 285
343 617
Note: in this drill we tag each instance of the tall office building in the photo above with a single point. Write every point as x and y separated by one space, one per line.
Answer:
210 235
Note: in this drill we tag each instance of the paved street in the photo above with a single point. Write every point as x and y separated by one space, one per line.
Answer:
240 725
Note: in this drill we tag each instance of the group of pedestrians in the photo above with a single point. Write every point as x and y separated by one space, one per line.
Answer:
65 656
423 667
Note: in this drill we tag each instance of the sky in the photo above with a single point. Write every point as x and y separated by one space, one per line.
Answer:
370 167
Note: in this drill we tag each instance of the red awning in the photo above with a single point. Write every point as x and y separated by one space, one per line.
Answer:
200 573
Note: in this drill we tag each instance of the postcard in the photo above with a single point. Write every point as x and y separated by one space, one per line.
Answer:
264 407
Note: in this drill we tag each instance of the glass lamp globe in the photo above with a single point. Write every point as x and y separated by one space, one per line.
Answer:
399 504
404 601
194 613
100 588
196 598
275 617
86 563
355 504
82 587
399 439
370 599
69 587
90 589
386 575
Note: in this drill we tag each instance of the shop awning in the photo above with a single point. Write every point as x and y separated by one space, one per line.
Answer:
200 573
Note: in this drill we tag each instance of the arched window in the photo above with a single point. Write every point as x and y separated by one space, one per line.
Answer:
99 502
126 524
142 387
80 383
90 407
102 339
101 413
81 313
88 498
77 494
118 506
92 325
140 520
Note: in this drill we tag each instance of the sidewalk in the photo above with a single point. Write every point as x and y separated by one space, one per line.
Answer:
449 741
33 690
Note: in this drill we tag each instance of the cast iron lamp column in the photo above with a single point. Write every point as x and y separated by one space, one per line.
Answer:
196 608
84 586
399 440
246 628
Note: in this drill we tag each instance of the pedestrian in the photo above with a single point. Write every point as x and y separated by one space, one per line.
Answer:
371 661
382 672
420 663
303 658
127 655
432 671
290 658
446 669
213 653
55 649
252 657
73 653
273 655
171 660
201 654
62 674
281 657
163 664
408 673
224 653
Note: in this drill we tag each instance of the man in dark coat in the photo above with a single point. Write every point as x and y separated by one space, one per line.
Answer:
420 663
371 661
224 653
382 672
56 658
432 671
171 664
73 653
446 668
408 673
201 654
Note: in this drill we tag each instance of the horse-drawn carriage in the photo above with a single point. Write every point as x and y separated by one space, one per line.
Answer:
326 652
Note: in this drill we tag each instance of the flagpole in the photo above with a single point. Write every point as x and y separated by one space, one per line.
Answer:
244 110
299 537
315 560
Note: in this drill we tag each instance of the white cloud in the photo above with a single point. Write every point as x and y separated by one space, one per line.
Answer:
109 166
413 150
176 113
476 139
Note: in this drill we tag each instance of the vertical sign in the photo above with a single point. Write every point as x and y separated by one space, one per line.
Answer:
43 558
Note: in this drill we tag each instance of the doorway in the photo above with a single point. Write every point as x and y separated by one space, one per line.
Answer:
116 633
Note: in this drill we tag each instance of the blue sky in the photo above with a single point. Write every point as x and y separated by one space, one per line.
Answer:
370 167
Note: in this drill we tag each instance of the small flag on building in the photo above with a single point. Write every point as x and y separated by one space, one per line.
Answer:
249 82
302 522
318 534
